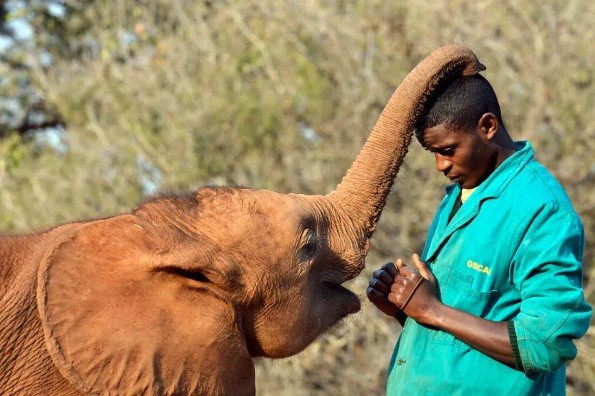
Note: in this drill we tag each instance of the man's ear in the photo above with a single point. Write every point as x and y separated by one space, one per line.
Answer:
488 125
114 323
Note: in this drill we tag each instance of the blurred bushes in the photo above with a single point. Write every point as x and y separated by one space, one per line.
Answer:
281 95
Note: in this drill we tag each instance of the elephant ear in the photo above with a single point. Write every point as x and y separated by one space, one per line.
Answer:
114 324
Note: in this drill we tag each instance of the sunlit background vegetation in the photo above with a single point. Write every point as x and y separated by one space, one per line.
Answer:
105 102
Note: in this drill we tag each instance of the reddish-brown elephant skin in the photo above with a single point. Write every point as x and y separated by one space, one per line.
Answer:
179 295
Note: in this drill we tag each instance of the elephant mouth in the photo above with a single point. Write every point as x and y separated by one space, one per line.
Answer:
335 279
348 299
333 283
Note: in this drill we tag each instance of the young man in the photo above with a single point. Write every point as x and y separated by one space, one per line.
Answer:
496 300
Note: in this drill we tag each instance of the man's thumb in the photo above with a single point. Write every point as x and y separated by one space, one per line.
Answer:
421 267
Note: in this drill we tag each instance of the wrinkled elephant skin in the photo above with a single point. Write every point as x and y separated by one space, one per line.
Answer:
179 295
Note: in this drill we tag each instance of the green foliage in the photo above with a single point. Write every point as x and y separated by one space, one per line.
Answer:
11 153
281 95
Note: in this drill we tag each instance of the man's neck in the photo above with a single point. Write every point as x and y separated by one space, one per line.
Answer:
506 146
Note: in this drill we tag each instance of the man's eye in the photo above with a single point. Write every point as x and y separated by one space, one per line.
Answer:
447 151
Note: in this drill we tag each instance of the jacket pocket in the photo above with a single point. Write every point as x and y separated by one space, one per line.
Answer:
459 292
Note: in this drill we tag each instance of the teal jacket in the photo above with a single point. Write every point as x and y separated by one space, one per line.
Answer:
513 253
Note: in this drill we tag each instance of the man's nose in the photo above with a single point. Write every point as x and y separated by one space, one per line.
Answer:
442 163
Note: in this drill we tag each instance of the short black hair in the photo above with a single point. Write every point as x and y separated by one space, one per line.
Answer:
460 104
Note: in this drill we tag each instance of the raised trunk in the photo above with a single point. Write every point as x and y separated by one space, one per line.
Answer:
363 190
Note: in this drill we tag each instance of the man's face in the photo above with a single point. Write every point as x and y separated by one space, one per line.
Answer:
464 157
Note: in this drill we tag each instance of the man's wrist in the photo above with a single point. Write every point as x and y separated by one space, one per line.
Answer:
434 315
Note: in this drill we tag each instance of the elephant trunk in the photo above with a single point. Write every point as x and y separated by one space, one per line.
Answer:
363 191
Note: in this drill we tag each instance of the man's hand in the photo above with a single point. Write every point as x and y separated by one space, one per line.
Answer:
379 288
414 291
422 305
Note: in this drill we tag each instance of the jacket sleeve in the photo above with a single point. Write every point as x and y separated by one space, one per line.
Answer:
547 269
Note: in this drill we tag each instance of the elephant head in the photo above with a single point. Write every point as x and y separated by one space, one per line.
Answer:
179 295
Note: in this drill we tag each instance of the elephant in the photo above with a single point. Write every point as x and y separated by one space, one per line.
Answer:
178 296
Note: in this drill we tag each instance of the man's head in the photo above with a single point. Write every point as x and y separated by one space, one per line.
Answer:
461 104
463 128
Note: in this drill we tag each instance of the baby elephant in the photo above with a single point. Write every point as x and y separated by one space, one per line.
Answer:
177 296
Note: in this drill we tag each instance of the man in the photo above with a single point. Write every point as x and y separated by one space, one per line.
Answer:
496 300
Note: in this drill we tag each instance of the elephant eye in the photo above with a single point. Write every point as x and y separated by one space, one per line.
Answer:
309 244
309 249
186 273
